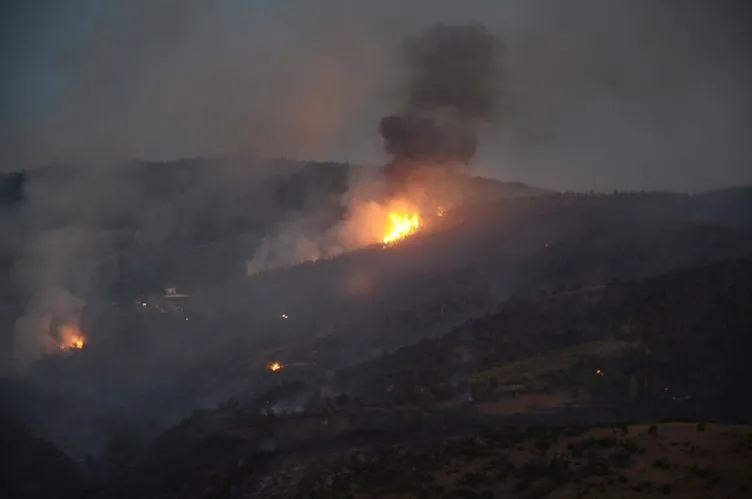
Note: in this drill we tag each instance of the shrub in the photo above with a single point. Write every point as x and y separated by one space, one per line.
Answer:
534 469
661 464
559 471
504 472
472 479
596 465
578 448
575 431
642 486
622 458
465 494
542 444
522 485
436 490
664 489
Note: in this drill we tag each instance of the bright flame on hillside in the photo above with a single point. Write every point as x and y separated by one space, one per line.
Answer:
400 225
71 337
275 366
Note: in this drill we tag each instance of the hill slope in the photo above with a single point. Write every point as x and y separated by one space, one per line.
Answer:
386 426
668 459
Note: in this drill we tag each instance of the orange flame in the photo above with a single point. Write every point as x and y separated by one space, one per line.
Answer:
71 337
400 225
275 366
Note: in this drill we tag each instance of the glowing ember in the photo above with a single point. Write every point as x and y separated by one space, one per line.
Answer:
401 225
275 366
71 337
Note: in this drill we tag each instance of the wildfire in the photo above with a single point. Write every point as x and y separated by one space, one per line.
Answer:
400 225
275 366
71 337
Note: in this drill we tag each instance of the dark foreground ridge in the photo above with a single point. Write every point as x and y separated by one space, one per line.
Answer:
689 459
32 468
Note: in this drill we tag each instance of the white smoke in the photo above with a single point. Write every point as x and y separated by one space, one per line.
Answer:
362 226
59 254
35 334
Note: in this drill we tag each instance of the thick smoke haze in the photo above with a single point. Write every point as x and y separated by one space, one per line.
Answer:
628 94
621 94
633 94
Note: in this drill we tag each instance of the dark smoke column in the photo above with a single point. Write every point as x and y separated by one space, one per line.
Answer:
455 88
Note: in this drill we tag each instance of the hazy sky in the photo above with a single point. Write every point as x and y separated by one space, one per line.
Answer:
602 93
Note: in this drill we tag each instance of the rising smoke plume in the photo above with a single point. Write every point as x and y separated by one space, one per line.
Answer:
63 245
454 90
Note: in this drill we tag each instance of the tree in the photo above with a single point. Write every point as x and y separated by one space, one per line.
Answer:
633 388
342 400
123 449
574 393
